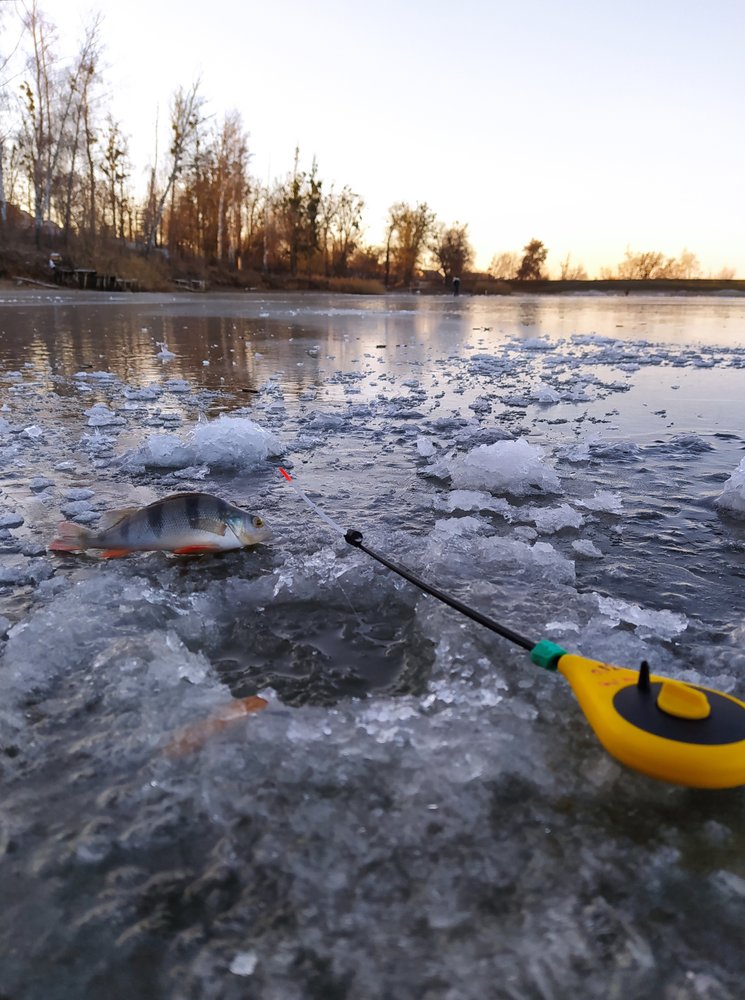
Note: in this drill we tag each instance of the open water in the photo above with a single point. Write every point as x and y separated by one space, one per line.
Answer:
419 812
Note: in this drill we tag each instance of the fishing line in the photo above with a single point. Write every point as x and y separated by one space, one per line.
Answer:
304 496
355 539
334 527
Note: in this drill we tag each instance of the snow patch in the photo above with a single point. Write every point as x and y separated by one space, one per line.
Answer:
225 443
514 467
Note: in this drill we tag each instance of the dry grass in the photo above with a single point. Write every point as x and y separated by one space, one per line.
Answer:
356 286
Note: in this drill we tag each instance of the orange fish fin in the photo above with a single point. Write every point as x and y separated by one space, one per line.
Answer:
253 704
194 737
70 537
194 550
115 553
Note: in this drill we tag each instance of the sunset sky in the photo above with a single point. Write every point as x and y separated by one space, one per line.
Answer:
593 126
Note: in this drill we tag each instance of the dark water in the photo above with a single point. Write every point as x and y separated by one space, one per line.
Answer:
418 812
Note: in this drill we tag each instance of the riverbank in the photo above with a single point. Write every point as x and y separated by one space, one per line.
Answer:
112 266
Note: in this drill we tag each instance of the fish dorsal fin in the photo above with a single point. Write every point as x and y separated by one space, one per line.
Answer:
110 518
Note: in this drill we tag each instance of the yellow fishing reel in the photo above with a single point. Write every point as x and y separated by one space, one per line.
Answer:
667 729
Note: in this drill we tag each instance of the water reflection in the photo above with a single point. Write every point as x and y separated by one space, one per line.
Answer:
231 344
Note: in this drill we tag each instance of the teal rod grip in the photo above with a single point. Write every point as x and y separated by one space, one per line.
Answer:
547 654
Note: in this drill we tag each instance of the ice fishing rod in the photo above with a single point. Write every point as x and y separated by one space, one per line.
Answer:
677 732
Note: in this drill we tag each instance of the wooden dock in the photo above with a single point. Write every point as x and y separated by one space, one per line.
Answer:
190 284
88 278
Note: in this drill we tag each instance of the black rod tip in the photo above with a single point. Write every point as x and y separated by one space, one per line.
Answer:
354 537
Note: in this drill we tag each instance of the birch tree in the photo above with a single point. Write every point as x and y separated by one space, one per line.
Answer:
231 164
49 94
186 119
8 151
342 225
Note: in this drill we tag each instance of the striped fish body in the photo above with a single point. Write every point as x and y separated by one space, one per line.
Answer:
182 523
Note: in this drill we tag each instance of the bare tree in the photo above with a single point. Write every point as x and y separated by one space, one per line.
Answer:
297 208
288 210
534 258
650 265
115 169
569 271
8 154
452 250
81 82
725 274
49 97
642 266
407 232
504 266
186 118
341 225
686 266
231 163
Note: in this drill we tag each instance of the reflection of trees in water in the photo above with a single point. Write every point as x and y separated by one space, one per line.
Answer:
529 312
124 341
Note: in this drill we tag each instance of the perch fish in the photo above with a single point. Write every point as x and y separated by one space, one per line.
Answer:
185 523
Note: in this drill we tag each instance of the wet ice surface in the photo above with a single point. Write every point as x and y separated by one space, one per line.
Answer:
419 812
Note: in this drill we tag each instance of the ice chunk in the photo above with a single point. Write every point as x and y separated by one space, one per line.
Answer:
225 443
514 467
586 550
663 624
451 526
425 447
177 385
244 963
97 376
545 394
161 451
100 415
475 500
233 443
480 405
603 500
534 344
151 391
551 519
20 571
76 507
39 483
326 422
11 520
732 497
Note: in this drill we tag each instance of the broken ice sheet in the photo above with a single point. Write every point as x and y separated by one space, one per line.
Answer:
227 443
513 467
663 624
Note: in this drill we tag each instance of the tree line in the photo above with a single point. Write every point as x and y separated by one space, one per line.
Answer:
66 176
66 173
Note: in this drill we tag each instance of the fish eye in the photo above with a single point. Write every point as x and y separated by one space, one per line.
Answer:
258 522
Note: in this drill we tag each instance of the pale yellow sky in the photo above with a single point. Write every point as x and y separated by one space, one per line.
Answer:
590 125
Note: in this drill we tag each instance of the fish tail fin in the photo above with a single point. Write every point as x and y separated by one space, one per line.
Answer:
70 537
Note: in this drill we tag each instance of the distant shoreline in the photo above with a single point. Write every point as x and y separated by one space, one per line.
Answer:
475 285
621 286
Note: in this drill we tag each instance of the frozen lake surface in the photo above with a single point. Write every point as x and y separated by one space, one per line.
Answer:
419 813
